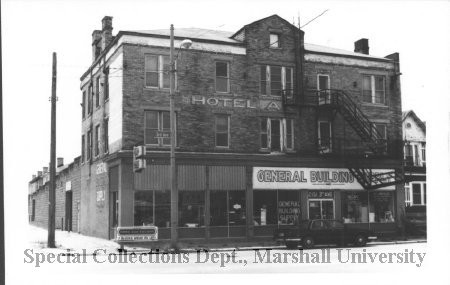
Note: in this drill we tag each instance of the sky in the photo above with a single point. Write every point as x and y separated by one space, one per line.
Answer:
32 30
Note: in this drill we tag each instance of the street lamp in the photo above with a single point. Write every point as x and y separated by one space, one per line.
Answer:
173 175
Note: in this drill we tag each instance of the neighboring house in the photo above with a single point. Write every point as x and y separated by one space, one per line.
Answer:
269 130
414 136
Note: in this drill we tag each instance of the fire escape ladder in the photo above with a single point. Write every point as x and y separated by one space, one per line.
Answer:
345 105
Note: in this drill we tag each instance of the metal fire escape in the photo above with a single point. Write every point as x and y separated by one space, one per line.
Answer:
372 143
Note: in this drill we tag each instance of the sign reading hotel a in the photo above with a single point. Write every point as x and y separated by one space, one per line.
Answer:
307 178
227 102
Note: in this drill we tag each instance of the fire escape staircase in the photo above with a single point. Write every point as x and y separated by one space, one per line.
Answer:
373 140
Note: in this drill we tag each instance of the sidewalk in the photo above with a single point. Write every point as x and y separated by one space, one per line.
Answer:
70 242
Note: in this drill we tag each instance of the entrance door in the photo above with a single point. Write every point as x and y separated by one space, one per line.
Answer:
113 213
323 88
325 136
321 209
68 211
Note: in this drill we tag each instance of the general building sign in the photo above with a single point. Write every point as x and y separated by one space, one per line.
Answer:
307 178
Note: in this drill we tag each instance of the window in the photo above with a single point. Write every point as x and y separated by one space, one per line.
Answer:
408 201
97 141
162 209
83 105
191 207
424 157
381 208
355 207
105 135
106 85
89 145
320 205
143 208
274 41
222 77
275 79
381 129
97 92
374 89
33 210
277 134
157 128
89 99
276 207
83 148
228 208
222 131
323 86
325 137
157 71
416 194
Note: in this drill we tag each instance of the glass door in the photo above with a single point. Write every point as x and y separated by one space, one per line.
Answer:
323 88
321 209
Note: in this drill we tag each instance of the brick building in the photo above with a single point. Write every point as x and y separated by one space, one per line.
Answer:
67 213
269 130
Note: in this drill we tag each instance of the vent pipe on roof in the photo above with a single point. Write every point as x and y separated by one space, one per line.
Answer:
362 46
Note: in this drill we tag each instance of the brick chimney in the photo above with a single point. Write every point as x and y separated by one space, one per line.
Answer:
60 161
33 176
106 31
39 173
362 46
44 169
96 44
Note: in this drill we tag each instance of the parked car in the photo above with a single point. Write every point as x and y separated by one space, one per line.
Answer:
310 232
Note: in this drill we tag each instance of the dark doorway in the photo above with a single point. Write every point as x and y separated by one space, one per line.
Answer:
68 225
113 213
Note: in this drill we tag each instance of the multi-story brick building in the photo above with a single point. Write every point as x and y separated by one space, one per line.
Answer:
67 194
269 130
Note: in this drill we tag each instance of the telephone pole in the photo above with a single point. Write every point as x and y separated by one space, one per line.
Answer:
52 194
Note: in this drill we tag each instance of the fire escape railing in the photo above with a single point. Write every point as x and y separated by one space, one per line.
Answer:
372 142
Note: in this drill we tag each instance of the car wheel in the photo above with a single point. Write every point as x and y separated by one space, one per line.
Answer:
291 244
360 240
308 242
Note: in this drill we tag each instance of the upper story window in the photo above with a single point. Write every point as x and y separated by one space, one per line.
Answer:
106 85
105 135
83 148
89 145
274 40
277 134
89 98
97 141
83 105
382 129
97 91
222 77
157 123
276 79
157 71
222 130
374 89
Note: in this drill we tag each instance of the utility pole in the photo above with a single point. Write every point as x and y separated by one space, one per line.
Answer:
52 194
173 172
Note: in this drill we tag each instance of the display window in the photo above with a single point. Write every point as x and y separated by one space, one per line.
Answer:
143 208
276 207
162 209
354 207
381 207
191 208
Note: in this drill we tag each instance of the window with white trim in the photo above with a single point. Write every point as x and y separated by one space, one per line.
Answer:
157 71
418 193
276 79
222 123
222 77
157 125
374 87
276 134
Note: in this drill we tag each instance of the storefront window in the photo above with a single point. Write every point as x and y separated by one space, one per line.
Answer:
288 207
381 207
162 209
191 207
354 207
143 208
218 207
265 207
236 208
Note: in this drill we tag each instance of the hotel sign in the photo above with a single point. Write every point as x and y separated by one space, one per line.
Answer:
236 103
307 178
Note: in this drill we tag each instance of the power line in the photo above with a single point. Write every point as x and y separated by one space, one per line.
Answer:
314 18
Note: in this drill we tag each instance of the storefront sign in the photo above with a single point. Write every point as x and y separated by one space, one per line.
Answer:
307 178
137 234
226 102
320 195
68 185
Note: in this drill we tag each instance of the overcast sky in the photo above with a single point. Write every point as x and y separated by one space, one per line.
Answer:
32 30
